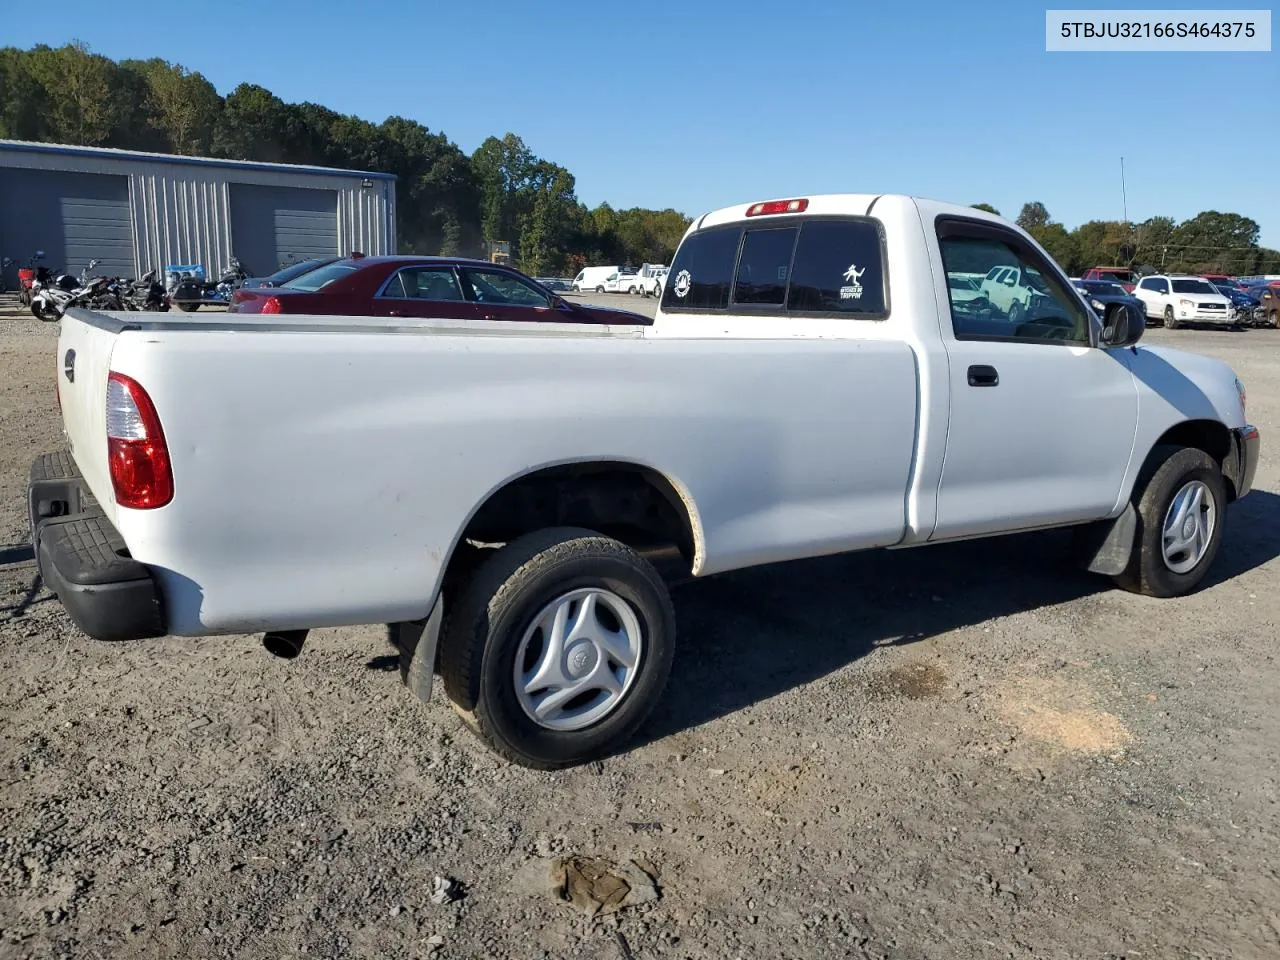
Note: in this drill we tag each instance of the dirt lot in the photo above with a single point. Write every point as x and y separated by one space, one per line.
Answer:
970 751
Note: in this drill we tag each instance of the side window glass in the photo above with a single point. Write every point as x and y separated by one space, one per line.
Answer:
702 272
496 286
839 268
430 283
395 289
1035 308
764 267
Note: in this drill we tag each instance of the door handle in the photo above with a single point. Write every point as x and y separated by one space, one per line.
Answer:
981 375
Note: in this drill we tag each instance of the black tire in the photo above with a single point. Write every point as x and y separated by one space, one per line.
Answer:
1015 312
657 291
482 633
40 313
1168 470
188 307
1170 321
599 289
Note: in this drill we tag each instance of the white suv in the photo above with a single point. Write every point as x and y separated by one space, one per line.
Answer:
1177 299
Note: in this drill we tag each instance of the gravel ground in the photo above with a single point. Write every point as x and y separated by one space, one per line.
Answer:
970 751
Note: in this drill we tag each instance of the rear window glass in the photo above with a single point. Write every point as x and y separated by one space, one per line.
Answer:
702 271
320 278
838 268
764 267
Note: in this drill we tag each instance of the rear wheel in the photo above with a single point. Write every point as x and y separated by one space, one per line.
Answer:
188 307
599 289
1181 507
559 647
657 291
1170 321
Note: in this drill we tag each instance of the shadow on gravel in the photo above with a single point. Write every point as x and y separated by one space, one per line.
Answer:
28 600
750 635
1252 537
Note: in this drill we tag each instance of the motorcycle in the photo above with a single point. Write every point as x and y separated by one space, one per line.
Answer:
34 272
147 294
49 302
190 291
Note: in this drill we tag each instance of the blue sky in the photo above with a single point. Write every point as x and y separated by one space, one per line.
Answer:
696 105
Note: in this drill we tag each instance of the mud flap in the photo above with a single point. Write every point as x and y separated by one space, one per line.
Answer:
1107 546
416 640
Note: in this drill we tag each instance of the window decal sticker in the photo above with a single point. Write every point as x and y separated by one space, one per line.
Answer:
683 282
854 289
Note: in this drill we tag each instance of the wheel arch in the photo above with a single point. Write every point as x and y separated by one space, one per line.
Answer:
631 501
1213 437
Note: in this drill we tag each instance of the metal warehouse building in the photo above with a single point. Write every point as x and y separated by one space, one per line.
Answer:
138 211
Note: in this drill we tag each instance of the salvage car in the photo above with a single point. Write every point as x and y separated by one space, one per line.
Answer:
441 288
502 495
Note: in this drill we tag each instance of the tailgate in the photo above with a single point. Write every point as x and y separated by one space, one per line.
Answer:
84 359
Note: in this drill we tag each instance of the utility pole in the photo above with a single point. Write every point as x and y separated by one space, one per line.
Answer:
1124 199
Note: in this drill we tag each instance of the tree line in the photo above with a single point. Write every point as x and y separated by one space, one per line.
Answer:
450 203
446 202
1209 242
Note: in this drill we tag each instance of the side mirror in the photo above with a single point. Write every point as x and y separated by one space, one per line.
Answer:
1123 326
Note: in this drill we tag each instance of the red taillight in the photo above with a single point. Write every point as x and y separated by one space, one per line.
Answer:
272 305
778 206
136 451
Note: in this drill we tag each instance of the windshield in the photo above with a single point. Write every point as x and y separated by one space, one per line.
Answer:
295 270
316 279
1193 286
1119 276
962 283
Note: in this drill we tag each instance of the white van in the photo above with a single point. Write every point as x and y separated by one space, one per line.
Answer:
593 278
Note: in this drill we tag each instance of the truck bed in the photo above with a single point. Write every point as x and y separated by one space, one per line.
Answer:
324 467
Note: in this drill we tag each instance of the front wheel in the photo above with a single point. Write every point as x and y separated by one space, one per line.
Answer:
657 292
1170 321
40 311
189 307
599 289
1181 508
558 647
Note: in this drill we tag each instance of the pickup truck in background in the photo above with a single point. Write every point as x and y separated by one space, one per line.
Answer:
500 494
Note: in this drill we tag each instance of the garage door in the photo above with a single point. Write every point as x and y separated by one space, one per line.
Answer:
271 226
72 217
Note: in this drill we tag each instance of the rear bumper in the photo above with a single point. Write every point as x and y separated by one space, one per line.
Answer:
84 560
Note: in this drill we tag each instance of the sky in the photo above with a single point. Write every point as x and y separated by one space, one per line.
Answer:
700 104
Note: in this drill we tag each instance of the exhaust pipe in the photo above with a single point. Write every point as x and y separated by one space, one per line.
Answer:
285 643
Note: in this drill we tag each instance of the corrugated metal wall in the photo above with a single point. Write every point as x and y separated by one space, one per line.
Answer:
181 211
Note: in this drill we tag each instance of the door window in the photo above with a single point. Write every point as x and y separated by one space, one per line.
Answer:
1035 306
498 286
424 283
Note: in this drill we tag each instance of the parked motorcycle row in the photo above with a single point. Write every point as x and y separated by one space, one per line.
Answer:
49 293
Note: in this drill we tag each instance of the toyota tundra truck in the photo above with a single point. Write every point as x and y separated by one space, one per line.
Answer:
506 496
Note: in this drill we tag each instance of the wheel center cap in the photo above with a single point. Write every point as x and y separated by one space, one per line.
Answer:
582 659
1188 527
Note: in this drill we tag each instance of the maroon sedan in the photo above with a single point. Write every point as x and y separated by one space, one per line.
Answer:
441 288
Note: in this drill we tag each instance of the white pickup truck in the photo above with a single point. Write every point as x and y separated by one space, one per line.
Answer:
495 493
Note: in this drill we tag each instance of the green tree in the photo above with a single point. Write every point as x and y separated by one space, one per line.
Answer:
1033 214
985 206
250 127
181 108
